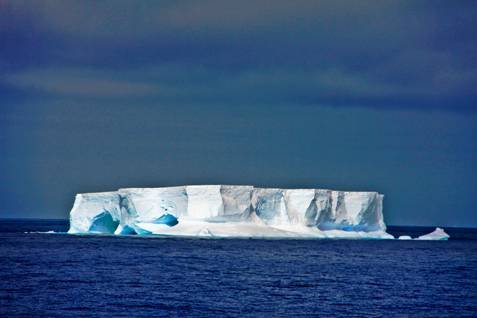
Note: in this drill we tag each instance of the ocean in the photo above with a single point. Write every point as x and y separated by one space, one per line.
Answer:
60 275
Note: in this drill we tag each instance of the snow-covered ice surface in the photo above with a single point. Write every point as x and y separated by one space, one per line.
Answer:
231 211
437 235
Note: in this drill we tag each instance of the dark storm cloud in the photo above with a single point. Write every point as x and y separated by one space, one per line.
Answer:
98 95
387 53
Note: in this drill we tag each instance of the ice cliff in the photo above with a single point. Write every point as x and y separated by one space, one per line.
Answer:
95 213
230 211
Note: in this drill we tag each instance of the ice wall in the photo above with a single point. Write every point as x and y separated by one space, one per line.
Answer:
300 206
149 204
237 201
141 206
205 201
352 211
269 205
141 210
95 213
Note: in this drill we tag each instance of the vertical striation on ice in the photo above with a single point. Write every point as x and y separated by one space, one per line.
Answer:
301 206
237 201
269 206
229 210
324 206
353 211
204 201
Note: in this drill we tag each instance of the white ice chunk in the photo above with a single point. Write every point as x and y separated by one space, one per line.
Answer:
405 237
95 213
437 235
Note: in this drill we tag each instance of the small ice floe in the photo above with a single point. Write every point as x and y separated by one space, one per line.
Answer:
437 235
405 237
40 232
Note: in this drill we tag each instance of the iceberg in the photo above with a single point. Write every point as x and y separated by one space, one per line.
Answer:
231 211
437 235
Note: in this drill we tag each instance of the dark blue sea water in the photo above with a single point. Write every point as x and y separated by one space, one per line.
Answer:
64 275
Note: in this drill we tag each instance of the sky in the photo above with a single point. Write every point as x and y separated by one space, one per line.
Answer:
348 95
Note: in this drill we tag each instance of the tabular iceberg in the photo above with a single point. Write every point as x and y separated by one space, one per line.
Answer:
231 211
